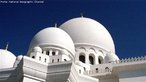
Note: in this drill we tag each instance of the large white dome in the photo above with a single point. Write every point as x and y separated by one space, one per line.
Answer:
7 59
87 31
53 37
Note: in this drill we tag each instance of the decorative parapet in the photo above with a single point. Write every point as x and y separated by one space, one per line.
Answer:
107 70
101 71
135 59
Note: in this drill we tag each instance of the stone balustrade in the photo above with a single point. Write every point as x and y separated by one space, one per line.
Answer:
107 70
89 72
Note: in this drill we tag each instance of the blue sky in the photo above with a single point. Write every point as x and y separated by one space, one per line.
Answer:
125 20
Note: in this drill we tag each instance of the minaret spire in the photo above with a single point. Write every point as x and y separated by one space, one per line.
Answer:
7 46
56 25
82 15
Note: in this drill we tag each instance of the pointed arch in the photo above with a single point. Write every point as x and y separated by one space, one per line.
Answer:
82 57
100 59
83 48
92 59
92 49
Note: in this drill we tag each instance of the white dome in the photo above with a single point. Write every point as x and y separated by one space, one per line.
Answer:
7 59
53 37
19 57
87 31
111 58
37 49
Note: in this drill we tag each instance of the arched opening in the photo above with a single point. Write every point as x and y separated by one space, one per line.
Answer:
58 60
91 60
82 58
53 53
48 53
84 69
100 60
107 69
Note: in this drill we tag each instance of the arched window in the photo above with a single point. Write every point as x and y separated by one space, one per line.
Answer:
48 53
53 53
100 60
91 60
84 69
107 69
82 58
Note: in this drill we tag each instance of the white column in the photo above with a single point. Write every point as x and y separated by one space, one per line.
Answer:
87 58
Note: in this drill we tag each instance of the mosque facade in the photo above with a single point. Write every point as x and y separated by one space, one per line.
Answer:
79 50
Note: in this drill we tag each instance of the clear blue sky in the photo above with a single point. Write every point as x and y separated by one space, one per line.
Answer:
125 20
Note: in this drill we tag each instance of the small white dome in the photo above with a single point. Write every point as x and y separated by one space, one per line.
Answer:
19 57
7 59
37 49
53 37
111 58
87 31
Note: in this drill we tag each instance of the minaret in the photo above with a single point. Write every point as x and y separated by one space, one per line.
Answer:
82 15
7 46
56 25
